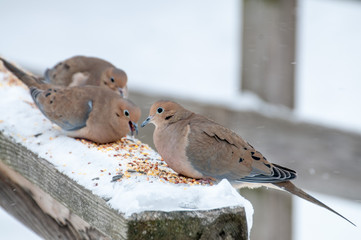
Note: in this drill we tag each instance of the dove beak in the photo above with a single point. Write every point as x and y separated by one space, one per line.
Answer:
133 128
148 120
123 92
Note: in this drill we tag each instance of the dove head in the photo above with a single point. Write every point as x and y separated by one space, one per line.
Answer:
126 116
166 112
115 79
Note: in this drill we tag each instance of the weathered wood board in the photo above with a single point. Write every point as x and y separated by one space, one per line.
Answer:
54 206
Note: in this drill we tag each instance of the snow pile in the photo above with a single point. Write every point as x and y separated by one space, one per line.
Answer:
94 166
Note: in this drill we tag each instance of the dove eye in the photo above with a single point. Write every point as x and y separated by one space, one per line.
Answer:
160 110
112 79
126 113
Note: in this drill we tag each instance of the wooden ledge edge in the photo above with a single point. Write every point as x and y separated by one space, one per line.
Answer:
224 223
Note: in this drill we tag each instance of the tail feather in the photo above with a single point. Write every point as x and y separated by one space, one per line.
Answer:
29 80
291 188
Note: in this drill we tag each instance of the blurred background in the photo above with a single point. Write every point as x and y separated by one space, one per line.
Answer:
284 74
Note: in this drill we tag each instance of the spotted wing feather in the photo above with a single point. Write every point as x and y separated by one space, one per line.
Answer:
54 104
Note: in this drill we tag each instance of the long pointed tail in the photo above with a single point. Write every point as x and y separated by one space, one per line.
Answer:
291 188
29 80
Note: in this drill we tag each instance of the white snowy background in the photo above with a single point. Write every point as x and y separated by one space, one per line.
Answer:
190 49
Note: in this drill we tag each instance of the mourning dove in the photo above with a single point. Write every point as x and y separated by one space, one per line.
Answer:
194 146
89 112
81 70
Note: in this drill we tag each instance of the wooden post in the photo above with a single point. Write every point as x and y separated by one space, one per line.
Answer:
268 51
268 55
268 204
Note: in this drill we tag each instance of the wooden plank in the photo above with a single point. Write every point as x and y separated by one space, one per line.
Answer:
44 194
268 49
